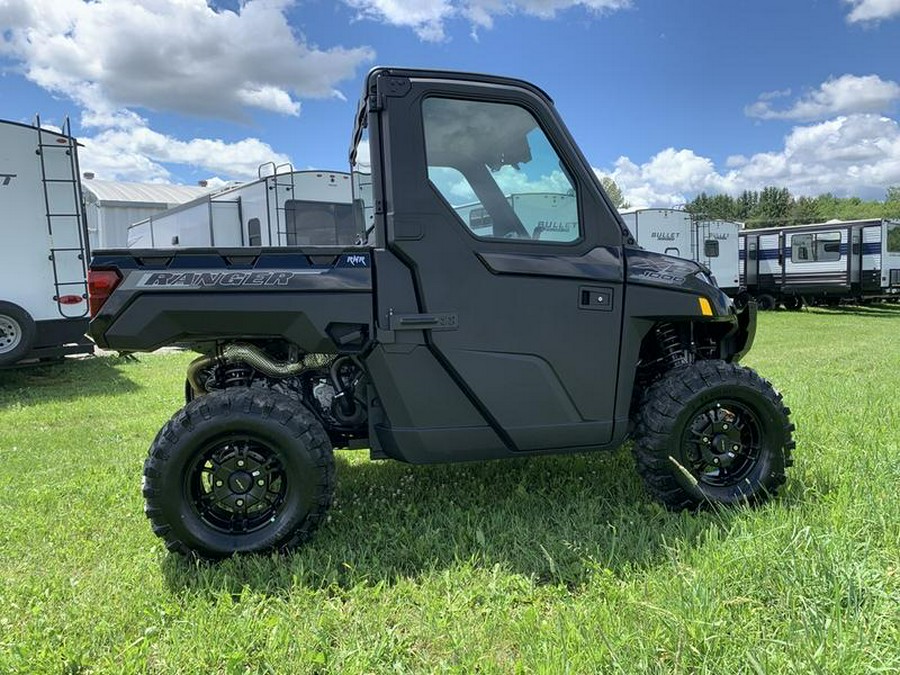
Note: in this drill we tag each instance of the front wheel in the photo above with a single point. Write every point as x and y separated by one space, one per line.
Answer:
238 471
713 432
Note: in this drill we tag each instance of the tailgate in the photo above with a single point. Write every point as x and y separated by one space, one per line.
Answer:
315 300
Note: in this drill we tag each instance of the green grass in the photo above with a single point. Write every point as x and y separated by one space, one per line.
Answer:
555 565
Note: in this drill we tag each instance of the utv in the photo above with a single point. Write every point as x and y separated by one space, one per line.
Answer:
462 325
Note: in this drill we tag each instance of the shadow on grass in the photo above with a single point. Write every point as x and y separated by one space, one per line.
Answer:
69 379
874 310
554 520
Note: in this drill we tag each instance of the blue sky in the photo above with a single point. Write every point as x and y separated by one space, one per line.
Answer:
670 97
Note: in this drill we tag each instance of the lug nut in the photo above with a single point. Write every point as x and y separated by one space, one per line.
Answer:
725 427
219 483
716 461
240 462
735 447
260 482
240 502
705 439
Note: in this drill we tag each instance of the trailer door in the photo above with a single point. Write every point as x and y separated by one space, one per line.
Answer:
751 262
890 258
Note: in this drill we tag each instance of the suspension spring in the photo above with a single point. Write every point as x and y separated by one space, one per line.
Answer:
237 376
670 344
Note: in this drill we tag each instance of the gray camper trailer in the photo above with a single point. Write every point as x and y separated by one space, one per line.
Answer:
821 263
281 208
43 291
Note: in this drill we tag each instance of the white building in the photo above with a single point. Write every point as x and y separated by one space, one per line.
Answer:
110 206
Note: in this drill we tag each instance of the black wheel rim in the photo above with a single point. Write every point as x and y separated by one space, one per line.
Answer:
722 443
237 486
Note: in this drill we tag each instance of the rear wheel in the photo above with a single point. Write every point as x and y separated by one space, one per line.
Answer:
17 333
793 303
238 471
713 432
766 302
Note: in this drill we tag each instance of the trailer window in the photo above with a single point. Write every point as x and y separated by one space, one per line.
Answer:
893 238
319 223
820 247
254 233
479 218
497 169
828 247
801 248
711 248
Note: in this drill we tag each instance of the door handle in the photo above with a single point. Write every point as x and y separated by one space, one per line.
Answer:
599 298
434 321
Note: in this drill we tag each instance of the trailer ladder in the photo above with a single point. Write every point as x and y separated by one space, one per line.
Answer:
282 224
62 215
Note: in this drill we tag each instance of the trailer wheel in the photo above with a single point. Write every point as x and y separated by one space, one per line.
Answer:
17 332
713 433
766 302
238 471
793 303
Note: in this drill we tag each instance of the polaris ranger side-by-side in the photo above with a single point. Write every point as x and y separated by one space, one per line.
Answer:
439 340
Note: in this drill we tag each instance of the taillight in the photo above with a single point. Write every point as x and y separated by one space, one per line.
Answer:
101 284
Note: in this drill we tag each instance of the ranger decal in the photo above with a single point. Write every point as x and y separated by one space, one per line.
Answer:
215 279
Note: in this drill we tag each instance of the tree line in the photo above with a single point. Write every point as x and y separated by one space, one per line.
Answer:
773 206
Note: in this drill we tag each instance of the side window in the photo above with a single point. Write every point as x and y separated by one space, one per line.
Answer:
801 248
893 238
711 248
254 234
822 247
496 168
828 247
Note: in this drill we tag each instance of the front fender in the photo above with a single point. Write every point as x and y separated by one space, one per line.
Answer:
739 341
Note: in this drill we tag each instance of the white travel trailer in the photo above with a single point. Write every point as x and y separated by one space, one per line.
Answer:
43 288
283 208
713 243
827 262
547 216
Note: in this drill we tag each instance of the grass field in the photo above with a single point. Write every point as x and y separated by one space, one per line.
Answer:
555 565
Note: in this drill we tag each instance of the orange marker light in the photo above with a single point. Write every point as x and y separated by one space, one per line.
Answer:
705 307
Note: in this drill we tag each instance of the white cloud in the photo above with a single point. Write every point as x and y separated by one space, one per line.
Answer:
139 154
428 17
113 57
872 10
849 155
174 55
848 94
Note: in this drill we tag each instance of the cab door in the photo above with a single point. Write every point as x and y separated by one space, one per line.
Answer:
514 253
